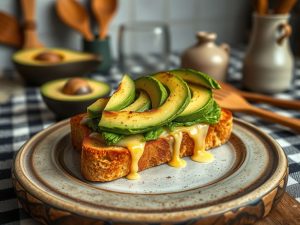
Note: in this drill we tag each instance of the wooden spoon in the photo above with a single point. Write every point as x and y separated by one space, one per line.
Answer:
76 16
290 104
232 101
10 32
104 10
30 35
262 7
285 6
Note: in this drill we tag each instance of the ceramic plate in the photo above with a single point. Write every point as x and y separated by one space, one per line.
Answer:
245 181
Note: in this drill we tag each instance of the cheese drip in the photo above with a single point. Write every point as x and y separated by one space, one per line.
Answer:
198 134
176 161
135 145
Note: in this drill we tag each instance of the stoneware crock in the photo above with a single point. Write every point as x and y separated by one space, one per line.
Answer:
206 56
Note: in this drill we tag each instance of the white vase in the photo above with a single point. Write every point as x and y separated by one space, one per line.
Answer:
268 64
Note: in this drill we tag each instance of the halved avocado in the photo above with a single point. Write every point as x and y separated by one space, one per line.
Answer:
66 105
125 122
196 77
154 89
123 96
94 110
201 102
40 65
141 104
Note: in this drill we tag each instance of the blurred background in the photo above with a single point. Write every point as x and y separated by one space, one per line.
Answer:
230 19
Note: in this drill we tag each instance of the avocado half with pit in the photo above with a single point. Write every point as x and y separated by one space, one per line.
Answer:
40 65
68 97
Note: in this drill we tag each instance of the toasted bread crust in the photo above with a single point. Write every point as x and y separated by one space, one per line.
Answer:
105 163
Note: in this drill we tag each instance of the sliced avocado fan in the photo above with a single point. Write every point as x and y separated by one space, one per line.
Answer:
123 96
124 122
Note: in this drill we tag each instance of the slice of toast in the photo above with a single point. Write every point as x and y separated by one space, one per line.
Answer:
100 162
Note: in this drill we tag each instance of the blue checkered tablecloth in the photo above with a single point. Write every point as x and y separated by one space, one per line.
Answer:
24 114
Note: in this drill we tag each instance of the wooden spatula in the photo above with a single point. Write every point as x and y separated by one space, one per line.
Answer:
234 102
10 32
284 103
75 16
30 35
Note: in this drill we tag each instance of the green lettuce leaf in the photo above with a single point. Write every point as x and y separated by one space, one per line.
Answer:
111 138
153 134
211 117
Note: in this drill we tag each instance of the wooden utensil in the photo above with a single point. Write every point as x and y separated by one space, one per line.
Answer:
285 6
10 32
30 35
236 103
76 16
290 104
261 7
104 10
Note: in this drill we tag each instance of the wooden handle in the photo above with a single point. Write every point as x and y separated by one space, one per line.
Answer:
273 117
290 104
262 7
28 7
30 35
285 30
285 6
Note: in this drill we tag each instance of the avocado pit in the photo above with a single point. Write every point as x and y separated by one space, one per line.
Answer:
49 57
76 86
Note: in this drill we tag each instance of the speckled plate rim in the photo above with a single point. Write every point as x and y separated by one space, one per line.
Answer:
276 180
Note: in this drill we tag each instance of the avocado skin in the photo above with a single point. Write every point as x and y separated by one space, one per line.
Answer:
36 76
199 78
66 109
68 105
35 73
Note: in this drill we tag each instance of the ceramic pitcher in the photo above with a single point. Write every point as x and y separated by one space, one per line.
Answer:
268 64
206 56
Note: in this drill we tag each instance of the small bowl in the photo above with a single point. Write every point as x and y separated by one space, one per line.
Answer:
66 105
36 72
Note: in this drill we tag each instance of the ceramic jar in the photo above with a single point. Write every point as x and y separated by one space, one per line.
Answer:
268 63
207 57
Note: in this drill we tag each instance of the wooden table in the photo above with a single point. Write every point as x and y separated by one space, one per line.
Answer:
287 212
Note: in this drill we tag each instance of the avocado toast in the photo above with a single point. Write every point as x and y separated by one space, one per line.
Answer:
150 121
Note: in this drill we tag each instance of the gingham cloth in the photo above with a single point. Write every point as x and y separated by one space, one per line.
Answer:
25 114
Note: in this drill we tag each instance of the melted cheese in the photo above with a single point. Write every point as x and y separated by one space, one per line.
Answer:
176 161
135 145
198 134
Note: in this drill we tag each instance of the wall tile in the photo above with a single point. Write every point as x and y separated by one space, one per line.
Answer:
182 36
182 10
149 10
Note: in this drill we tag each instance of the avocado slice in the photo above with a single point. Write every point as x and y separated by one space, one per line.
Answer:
154 89
141 104
65 105
123 96
125 122
196 77
201 102
40 65
94 110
